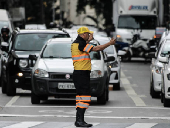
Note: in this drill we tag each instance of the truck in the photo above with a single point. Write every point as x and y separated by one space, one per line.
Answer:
141 15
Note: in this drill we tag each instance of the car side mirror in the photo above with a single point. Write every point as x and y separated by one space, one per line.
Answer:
4 46
163 59
110 58
32 57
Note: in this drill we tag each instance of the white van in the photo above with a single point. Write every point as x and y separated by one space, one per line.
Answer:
5 20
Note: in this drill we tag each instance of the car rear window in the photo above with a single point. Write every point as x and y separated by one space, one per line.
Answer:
34 42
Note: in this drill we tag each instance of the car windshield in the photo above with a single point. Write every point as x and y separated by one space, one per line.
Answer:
34 42
166 48
137 22
3 23
63 50
109 50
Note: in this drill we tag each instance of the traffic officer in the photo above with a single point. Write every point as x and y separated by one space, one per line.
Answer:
80 49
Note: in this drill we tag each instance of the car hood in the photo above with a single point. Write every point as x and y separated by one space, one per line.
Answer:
25 54
63 65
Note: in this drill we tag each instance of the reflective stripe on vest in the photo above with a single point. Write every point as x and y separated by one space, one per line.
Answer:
81 57
83 98
82 105
88 47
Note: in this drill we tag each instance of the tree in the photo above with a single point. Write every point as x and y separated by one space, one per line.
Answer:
35 9
103 7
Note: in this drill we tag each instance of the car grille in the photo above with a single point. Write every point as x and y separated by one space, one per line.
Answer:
60 76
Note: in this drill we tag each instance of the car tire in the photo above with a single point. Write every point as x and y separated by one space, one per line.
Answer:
102 99
107 93
126 58
3 84
44 97
10 91
162 98
34 98
153 93
116 86
166 101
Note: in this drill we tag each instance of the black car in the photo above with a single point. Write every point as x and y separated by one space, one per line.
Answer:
16 66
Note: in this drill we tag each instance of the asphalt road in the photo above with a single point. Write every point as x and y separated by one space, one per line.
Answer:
130 107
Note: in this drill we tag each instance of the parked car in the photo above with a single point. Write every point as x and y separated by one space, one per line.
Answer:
52 73
165 74
114 65
16 70
155 69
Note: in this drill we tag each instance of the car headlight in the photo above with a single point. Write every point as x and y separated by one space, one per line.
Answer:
158 69
23 63
113 64
95 74
41 73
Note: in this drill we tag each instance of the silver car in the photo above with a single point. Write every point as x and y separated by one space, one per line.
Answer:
52 73
155 68
114 65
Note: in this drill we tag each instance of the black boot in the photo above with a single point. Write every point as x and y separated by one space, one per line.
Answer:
80 118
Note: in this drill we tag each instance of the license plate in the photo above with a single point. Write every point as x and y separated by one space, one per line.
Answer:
66 86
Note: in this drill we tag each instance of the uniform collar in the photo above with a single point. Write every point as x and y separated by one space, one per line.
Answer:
79 38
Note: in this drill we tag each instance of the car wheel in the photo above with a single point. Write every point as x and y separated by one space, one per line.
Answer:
127 57
102 99
34 98
107 93
154 94
162 99
166 101
11 91
44 97
3 84
116 86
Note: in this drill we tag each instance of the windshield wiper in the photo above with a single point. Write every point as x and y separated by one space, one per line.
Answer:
66 57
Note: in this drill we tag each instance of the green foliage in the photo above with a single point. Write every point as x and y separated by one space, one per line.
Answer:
101 7
34 12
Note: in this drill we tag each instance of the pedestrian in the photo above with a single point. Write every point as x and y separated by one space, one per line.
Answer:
80 49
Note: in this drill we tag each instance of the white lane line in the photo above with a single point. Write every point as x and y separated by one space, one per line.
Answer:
142 125
24 125
93 117
14 99
131 92
155 107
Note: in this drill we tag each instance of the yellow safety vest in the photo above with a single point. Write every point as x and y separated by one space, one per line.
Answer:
81 59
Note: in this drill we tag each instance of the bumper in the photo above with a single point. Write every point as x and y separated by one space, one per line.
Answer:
115 75
23 82
49 87
157 81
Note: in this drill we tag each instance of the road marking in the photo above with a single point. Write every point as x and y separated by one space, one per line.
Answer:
14 99
93 117
142 125
155 107
24 125
130 91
